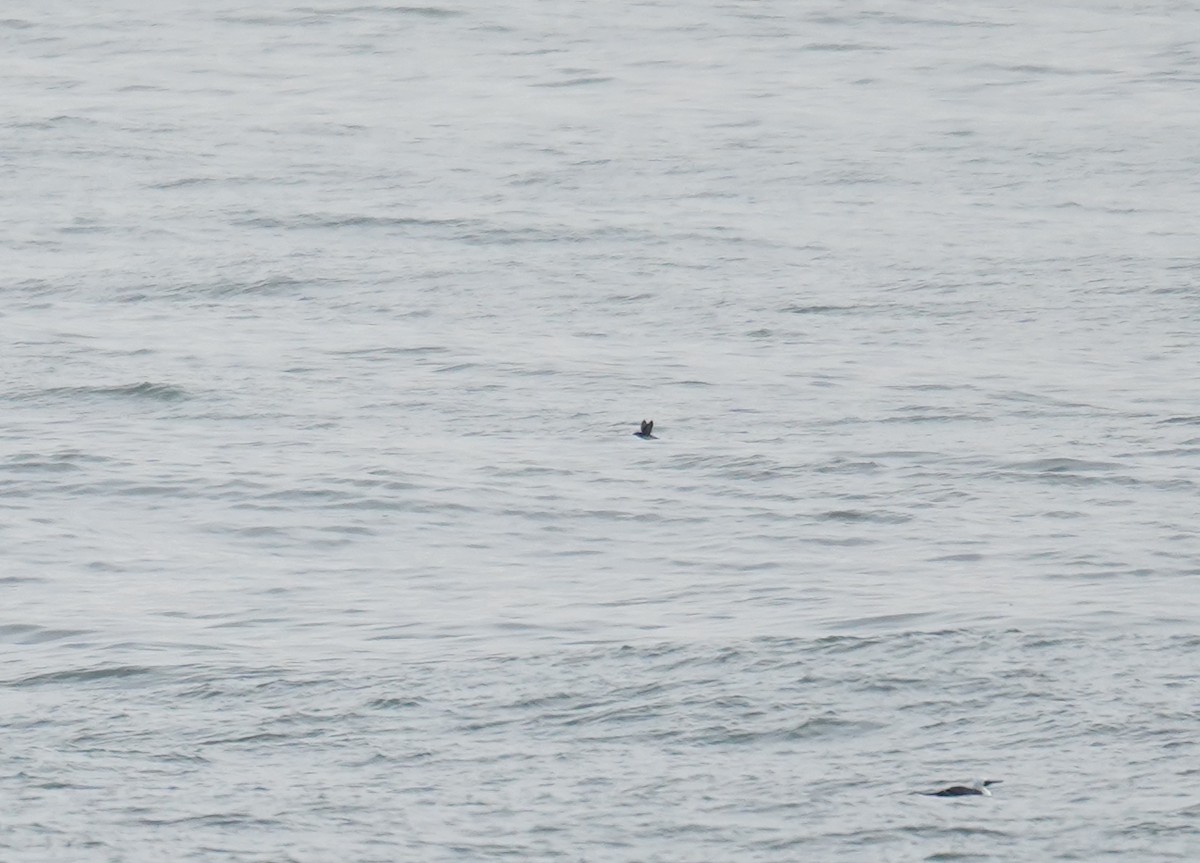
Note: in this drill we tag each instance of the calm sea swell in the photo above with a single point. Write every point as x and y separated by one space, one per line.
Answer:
665 750
325 330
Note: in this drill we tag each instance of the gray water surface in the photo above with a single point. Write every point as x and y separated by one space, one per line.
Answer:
323 532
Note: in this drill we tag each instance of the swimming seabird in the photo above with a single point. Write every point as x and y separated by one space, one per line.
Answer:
979 786
645 433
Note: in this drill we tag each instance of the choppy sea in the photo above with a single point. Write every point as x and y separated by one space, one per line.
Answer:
324 330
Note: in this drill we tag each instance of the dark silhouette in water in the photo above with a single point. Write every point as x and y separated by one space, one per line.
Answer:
965 790
645 433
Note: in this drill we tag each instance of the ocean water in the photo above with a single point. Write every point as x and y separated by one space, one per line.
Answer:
323 532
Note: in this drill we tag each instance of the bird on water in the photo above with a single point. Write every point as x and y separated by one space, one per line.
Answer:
645 433
978 787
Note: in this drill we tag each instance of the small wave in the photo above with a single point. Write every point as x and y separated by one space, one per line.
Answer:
239 820
312 15
882 621
1042 70
391 353
471 231
57 120
144 390
918 414
25 633
456 367
962 557
856 515
575 82
1062 465
59 462
422 11
82 227
817 310
751 467
86 675
818 727
1044 401
395 703
258 737
843 465
267 286
184 181
839 47
627 298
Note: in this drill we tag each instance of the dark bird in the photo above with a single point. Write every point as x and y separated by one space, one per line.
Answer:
975 788
645 433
